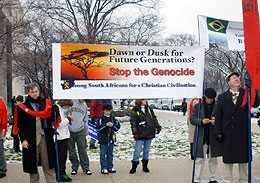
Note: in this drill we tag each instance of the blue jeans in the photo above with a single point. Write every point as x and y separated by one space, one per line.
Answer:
106 156
139 147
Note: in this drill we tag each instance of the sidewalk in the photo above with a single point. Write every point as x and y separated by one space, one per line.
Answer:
161 171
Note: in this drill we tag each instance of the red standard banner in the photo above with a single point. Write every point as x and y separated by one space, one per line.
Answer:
252 43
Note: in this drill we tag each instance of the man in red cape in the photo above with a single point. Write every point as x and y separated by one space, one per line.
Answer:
36 134
3 129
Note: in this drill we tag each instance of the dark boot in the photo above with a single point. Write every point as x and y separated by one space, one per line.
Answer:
134 166
145 168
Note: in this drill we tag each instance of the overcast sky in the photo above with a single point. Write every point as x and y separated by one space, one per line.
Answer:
180 16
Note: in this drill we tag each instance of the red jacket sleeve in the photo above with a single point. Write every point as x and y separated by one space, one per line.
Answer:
92 108
3 116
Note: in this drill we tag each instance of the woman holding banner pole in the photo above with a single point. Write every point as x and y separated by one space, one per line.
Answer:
191 127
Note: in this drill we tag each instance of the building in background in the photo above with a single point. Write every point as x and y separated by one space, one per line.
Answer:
10 16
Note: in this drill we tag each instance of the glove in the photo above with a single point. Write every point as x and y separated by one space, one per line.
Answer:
93 121
247 80
158 129
136 136
258 122
219 137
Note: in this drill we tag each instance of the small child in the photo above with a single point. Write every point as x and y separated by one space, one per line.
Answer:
106 126
63 136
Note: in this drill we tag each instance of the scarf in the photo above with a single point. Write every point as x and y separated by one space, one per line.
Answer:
46 113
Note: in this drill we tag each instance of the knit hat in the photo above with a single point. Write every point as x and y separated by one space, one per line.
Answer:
210 93
107 107
19 98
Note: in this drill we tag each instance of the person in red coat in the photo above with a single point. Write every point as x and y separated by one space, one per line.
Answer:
3 130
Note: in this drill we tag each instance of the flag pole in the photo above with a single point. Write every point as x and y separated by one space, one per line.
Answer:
56 148
198 115
196 143
249 138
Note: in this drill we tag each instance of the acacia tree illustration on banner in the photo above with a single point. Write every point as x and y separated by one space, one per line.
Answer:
84 59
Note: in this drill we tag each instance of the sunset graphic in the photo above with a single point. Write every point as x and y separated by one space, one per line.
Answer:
85 62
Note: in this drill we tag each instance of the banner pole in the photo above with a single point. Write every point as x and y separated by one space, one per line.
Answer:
56 148
249 138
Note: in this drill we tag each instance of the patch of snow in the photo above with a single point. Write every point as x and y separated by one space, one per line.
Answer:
172 142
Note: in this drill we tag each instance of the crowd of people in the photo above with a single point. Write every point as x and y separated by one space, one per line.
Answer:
46 130
218 128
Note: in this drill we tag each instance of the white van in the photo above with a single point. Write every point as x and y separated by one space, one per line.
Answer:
164 104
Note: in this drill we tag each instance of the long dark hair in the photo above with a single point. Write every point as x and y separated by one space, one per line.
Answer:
65 102
138 103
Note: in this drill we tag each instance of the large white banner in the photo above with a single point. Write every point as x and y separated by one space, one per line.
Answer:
224 33
90 71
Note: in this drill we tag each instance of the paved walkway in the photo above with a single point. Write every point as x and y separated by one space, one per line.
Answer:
161 171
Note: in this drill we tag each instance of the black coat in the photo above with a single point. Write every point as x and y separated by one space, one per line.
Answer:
105 133
144 124
232 121
196 119
27 131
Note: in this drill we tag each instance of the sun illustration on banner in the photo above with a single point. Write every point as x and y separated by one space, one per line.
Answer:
84 59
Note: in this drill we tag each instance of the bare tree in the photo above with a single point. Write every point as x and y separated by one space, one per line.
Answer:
140 31
73 21
33 55
91 21
181 40
219 62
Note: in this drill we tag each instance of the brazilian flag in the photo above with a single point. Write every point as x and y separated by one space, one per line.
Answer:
217 25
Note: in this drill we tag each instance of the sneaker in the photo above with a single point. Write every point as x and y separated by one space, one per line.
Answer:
112 170
92 147
74 172
88 172
104 171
